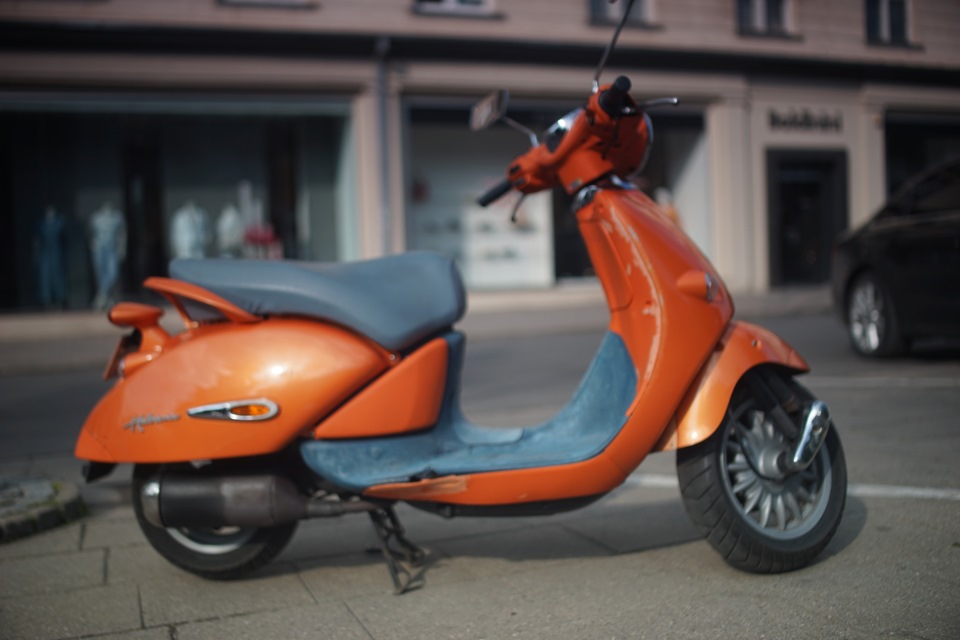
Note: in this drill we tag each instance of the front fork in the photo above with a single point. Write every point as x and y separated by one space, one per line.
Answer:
804 423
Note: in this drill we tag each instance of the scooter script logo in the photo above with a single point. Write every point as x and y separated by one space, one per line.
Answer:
137 423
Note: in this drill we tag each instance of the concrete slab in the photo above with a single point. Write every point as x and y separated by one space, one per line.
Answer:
51 573
71 614
488 608
53 541
182 597
333 620
112 532
518 550
630 524
340 577
157 633
138 564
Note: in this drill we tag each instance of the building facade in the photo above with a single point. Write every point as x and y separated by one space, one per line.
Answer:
336 130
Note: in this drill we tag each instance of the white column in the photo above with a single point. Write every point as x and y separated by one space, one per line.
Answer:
735 234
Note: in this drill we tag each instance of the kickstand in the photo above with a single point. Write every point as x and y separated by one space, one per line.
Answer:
398 556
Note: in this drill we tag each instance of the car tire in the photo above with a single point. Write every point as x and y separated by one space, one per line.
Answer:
871 318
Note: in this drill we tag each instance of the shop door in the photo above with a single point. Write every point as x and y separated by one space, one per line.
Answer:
807 208
142 203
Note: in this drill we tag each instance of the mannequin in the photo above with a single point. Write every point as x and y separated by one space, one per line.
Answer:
108 248
189 232
230 233
50 248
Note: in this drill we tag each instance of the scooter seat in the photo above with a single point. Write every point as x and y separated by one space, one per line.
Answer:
397 301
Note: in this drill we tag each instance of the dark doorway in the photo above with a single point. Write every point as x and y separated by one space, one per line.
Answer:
807 205
143 202
281 172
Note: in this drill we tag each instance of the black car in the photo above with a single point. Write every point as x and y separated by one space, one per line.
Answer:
897 278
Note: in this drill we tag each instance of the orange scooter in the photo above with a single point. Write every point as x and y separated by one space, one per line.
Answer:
303 390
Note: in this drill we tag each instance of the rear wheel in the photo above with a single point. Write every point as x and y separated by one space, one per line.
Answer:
758 518
223 553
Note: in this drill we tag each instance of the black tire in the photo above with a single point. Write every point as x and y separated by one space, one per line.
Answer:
872 323
227 553
722 493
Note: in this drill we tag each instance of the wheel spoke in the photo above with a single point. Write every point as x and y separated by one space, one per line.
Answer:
753 497
793 507
781 513
765 507
744 484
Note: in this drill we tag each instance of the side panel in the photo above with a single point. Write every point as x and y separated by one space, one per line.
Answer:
743 347
407 398
306 368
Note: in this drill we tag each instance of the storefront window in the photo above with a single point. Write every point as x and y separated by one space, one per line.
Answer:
450 166
97 202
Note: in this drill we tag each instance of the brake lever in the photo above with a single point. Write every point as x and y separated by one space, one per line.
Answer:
659 102
516 208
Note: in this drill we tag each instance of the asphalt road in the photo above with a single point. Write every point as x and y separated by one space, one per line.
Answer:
630 566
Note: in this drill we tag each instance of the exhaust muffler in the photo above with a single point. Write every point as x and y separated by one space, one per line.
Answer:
264 500
258 500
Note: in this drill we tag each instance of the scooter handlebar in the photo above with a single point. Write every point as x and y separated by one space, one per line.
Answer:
495 192
616 97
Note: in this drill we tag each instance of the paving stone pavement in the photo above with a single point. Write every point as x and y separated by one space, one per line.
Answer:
630 566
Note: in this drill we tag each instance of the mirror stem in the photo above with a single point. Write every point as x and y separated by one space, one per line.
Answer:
534 141
613 42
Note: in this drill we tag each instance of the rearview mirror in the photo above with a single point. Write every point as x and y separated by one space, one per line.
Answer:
489 110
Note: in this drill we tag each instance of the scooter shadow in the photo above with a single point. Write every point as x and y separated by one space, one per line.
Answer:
465 548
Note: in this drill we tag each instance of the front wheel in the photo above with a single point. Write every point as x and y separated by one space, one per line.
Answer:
759 519
223 553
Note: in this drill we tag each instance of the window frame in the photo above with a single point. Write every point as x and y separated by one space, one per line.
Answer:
754 19
603 13
456 8
883 37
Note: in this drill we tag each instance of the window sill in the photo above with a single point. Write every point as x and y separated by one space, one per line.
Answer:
770 35
887 44
642 25
441 12
270 4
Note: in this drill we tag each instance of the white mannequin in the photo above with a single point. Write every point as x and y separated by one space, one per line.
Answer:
108 248
189 232
230 232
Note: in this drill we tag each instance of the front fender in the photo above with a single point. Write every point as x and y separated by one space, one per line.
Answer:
743 347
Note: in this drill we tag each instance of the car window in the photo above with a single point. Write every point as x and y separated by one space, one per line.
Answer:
941 192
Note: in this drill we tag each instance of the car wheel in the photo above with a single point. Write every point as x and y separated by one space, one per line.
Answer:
871 319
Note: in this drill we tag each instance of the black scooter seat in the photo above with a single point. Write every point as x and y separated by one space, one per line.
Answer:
397 301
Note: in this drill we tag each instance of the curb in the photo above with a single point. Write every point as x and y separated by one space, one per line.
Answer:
31 505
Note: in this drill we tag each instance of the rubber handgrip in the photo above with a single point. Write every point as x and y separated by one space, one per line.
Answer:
495 192
612 100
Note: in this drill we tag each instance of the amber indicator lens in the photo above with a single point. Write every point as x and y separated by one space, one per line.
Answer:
251 410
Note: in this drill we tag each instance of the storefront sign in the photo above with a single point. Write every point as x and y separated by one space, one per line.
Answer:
806 120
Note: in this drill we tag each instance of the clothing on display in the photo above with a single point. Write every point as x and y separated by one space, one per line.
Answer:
230 232
108 248
51 260
190 232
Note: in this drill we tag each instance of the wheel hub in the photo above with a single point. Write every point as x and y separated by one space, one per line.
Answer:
773 500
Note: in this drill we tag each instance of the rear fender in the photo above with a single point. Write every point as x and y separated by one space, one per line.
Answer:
228 389
743 347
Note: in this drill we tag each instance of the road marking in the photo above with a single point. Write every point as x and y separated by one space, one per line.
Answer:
880 382
891 491
659 481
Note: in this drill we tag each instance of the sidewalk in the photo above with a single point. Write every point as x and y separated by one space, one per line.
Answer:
630 566
49 342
